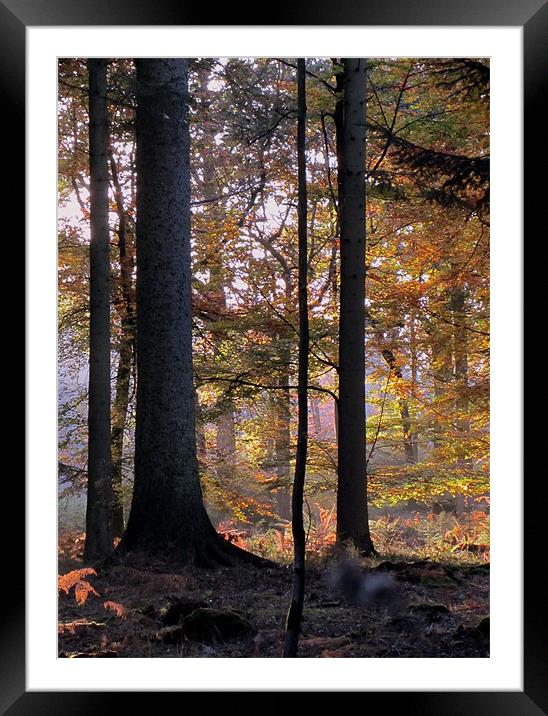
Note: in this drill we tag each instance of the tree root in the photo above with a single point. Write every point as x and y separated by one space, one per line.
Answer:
210 553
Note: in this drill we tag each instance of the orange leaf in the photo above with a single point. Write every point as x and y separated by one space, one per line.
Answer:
115 607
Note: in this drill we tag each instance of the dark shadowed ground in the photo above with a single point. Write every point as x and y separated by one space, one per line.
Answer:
441 611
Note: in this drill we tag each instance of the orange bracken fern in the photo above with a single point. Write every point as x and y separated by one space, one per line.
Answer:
82 588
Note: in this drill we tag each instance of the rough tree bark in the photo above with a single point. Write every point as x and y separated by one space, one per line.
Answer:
167 513
352 513
294 616
99 498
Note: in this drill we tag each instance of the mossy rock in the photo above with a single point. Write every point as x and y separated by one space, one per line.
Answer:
178 610
209 625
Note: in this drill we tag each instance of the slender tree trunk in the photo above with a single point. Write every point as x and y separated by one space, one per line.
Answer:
403 404
338 116
99 498
282 442
201 447
338 119
126 311
414 378
119 416
408 446
316 415
225 438
441 368
167 513
282 450
294 616
352 515
460 352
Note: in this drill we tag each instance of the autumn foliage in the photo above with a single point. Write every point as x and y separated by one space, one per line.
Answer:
427 294
76 581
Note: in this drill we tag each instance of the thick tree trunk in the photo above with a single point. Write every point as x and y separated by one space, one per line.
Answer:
294 616
99 497
167 513
352 514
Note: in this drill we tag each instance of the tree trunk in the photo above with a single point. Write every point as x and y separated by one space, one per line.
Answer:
201 446
403 404
126 310
414 378
167 512
282 442
441 368
294 616
460 352
352 515
119 415
99 497
282 450
408 443
278 452
225 438
316 416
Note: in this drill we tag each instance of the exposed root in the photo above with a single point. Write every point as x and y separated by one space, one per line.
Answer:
207 554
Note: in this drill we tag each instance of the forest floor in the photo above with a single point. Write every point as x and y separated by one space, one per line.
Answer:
441 610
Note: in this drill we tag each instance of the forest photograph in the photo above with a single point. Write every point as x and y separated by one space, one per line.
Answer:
273 382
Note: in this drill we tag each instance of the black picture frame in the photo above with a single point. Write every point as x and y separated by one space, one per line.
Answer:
532 16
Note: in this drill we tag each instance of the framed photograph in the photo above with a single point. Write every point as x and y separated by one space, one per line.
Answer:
512 36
